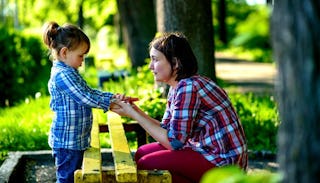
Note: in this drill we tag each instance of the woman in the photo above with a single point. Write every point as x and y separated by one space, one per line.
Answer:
200 128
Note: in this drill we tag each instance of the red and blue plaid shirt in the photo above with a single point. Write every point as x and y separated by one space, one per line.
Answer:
200 116
72 102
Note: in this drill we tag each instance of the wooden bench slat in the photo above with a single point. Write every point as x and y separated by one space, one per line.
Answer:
125 168
132 126
144 176
91 165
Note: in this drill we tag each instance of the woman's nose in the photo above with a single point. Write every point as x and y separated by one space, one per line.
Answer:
151 65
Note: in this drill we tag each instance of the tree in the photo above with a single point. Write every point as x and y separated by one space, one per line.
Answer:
138 24
295 38
222 13
194 19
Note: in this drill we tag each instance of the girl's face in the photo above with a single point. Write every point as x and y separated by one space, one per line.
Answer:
161 68
74 58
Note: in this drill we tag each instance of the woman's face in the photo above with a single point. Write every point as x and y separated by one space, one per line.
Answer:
161 67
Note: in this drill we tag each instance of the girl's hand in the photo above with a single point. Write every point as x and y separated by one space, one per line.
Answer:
130 99
123 97
115 97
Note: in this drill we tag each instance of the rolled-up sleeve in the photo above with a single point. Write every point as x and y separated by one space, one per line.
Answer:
183 108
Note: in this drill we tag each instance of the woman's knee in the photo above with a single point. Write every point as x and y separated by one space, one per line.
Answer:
147 149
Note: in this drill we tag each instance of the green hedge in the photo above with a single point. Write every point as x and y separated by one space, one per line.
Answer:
24 69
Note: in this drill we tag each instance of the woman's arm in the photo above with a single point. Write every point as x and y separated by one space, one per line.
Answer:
151 125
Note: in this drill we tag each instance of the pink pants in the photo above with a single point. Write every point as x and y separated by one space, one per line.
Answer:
184 165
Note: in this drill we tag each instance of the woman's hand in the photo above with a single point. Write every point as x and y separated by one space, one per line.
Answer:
124 108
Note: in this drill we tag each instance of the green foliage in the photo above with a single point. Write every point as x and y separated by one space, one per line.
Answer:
154 105
139 84
254 31
253 34
91 76
34 13
260 119
234 16
233 174
247 31
23 66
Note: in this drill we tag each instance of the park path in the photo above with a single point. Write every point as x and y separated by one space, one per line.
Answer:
246 76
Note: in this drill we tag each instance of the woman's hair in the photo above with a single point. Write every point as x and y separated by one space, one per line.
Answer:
176 48
70 36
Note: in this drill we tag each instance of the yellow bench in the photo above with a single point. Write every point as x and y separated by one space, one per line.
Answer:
124 169
91 165
132 126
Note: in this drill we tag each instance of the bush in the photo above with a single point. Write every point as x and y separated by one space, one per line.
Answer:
233 174
24 68
260 119
252 35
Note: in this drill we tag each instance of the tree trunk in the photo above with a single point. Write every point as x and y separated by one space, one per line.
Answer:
2 19
222 12
295 38
194 19
80 15
138 22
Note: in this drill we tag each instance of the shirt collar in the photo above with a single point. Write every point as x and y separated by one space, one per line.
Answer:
58 63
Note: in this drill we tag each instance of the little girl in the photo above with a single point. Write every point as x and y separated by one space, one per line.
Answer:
72 99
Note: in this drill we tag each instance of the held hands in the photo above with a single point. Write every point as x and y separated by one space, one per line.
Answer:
123 105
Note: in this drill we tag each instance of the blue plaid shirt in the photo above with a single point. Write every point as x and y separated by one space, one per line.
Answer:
72 101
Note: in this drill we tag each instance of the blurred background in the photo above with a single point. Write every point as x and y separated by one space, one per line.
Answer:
120 31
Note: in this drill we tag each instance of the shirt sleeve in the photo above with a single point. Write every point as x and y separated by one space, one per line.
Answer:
72 84
185 106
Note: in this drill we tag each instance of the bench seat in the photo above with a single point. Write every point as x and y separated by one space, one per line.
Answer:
124 168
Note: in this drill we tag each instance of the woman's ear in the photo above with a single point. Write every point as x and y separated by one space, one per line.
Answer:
175 62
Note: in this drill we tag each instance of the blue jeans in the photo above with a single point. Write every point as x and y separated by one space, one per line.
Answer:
67 162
